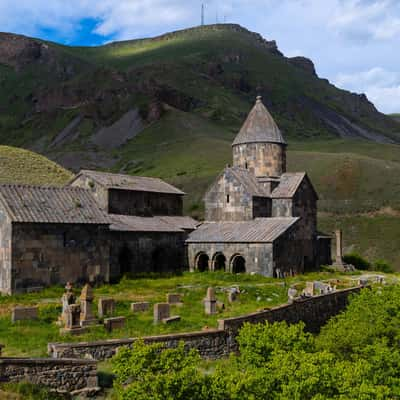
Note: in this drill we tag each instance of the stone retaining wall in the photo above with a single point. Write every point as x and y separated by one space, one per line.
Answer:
72 376
314 312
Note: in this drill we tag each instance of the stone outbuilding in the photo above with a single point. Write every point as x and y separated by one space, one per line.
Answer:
98 228
259 217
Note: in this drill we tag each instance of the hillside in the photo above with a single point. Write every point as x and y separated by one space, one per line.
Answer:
170 107
26 167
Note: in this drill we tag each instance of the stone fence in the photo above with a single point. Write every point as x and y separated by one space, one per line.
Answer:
66 376
313 311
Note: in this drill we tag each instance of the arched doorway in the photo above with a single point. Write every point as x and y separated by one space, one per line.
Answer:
238 264
202 262
219 262
125 260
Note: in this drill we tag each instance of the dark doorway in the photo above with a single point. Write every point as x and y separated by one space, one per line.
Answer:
125 260
219 262
238 265
202 262
160 260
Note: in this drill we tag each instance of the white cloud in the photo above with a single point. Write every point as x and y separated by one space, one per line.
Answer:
381 86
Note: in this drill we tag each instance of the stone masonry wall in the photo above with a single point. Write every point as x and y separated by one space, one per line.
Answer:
314 311
72 376
5 253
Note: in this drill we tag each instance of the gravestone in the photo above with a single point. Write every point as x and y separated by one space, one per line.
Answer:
174 298
67 299
339 247
87 317
140 307
292 294
72 320
161 311
106 306
169 320
24 313
233 294
210 302
114 323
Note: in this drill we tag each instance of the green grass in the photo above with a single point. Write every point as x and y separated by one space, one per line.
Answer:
24 166
30 338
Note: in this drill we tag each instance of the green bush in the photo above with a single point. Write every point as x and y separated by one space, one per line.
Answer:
358 261
29 391
383 266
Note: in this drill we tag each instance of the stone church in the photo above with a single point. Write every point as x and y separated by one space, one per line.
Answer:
259 218
96 229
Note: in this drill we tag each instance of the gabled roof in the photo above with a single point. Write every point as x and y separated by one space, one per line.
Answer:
248 180
181 222
289 184
66 205
259 127
130 223
259 230
129 182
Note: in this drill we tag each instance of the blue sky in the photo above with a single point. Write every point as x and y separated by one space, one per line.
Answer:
353 43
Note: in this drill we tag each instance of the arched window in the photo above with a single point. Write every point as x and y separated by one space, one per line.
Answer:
238 264
219 262
202 262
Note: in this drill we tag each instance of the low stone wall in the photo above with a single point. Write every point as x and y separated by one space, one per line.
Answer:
210 344
72 376
313 311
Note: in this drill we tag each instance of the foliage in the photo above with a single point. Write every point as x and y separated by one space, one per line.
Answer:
356 356
382 266
28 391
358 261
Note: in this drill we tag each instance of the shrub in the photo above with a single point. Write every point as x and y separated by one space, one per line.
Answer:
383 266
358 261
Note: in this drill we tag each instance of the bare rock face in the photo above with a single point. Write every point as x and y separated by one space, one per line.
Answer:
17 51
304 63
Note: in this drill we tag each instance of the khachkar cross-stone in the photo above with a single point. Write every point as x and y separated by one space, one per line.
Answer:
339 247
87 317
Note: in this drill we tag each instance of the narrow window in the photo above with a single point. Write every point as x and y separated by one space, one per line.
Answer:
227 198
245 165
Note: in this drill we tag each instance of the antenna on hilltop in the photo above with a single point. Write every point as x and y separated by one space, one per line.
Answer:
202 15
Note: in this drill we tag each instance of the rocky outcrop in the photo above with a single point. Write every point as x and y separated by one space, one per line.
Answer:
304 63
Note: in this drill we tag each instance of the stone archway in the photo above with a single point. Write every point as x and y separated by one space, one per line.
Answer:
219 262
238 264
202 262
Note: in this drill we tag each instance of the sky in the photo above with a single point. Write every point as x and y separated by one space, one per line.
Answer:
353 43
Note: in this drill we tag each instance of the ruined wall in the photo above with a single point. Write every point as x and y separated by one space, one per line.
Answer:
49 254
262 159
127 202
136 252
76 376
218 207
314 312
258 256
5 253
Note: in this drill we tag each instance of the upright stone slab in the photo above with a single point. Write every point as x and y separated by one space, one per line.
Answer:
161 311
140 307
210 302
67 299
114 323
24 313
72 320
174 298
339 247
87 317
106 307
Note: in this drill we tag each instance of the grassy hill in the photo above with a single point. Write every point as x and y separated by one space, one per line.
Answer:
172 105
26 167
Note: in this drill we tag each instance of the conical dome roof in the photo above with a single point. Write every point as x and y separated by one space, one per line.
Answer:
259 127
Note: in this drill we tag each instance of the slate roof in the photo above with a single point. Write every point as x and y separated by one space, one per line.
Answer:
129 182
289 183
130 223
249 181
66 205
186 223
259 127
259 230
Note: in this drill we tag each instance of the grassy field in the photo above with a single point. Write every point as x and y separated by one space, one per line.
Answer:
30 338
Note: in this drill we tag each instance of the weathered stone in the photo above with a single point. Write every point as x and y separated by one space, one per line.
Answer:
174 298
72 321
86 316
24 313
114 323
140 307
169 320
292 294
106 307
210 302
161 311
